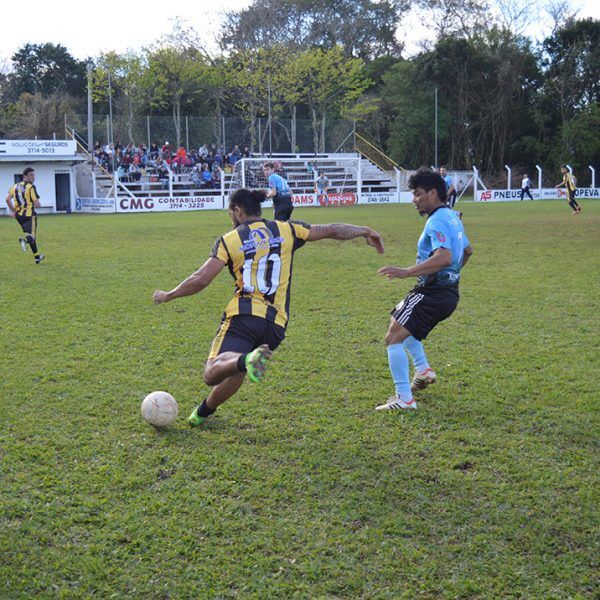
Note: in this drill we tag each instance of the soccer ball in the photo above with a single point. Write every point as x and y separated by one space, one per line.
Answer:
159 409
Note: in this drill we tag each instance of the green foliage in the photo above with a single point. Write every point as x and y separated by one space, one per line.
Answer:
364 28
297 488
46 69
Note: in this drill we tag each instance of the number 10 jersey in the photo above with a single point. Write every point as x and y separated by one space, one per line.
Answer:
260 256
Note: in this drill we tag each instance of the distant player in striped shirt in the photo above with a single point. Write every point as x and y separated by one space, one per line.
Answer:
22 200
568 182
259 255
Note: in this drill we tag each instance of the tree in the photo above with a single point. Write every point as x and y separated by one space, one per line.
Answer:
329 84
46 69
571 63
177 78
363 28
126 72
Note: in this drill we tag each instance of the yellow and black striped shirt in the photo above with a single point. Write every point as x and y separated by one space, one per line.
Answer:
24 196
260 255
569 182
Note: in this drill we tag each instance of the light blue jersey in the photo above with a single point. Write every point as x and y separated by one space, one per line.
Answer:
448 181
280 185
443 230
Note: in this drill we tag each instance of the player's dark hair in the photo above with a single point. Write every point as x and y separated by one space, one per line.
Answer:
564 167
428 180
249 200
27 170
269 165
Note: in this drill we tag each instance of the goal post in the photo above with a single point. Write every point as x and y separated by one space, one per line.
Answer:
301 174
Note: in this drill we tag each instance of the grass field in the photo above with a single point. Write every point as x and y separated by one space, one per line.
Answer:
297 488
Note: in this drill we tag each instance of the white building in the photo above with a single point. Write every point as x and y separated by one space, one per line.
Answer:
54 163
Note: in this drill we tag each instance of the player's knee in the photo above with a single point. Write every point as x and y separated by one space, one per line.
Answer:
209 375
396 334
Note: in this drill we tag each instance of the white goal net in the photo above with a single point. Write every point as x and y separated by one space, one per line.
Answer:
342 174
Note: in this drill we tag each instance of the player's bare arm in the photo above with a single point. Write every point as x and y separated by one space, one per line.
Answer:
344 231
467 253
195 283
9 203
271 192
439 260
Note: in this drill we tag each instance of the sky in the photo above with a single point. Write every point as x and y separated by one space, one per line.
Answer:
89 28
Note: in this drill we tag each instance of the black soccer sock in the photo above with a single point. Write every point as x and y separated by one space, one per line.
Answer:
204 410
33 244
241 363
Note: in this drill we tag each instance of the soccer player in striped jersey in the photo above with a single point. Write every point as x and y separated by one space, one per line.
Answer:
259 255
569 183
22 200
442 250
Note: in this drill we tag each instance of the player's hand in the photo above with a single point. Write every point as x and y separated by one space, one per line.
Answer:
12 214
394 272
374 239
160 297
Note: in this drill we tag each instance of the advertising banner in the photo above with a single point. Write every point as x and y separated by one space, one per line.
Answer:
95 205
37 148
379 198
164 203
344 199
543 194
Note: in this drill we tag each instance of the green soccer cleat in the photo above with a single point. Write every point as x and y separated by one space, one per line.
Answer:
256 362
194 420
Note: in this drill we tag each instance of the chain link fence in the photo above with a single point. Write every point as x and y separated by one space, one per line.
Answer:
275 137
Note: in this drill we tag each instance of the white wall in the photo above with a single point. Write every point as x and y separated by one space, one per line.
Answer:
44 181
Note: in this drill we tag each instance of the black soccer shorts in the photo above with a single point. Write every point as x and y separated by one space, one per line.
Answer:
28 224
244 333
424 308
283 207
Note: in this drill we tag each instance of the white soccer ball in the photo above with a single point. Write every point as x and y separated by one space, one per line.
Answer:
159 409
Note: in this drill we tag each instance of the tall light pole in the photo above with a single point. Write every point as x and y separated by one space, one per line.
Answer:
435 162
270 136
110 117
90 110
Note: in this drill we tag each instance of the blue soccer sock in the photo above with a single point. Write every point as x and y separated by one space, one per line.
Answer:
398 362
417 353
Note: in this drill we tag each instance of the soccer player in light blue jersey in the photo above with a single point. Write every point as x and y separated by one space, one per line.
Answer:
280 192
442 251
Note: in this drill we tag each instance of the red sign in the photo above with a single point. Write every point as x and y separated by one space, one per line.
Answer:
346 199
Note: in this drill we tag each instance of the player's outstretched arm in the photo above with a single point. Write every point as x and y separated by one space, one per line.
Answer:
345 231
195 283
439 260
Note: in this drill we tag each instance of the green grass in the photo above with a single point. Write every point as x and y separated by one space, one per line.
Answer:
297 488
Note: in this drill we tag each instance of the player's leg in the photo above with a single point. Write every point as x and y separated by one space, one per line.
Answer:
574 202
239 348
231 363
398 363
424 374
396 335
22 240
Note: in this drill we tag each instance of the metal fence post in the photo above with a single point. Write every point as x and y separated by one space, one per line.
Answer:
170 183
509 171
539 170
222 173
593 175
475 182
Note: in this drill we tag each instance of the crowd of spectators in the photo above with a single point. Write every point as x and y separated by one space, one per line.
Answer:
204 165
